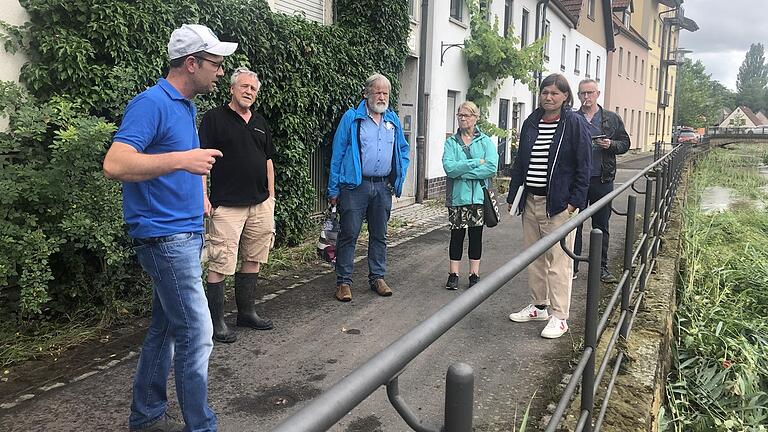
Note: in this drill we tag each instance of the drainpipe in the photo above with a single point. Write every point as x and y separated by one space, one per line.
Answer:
421 111
541 17
666 31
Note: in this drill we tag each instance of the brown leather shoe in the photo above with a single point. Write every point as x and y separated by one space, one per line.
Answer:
381 288
343 292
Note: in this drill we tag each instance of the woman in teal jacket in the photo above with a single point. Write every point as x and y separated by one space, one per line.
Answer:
470 160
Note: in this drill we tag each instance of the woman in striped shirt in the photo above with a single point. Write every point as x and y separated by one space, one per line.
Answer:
553 167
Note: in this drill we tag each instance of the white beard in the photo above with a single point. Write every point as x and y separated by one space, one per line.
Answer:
379 108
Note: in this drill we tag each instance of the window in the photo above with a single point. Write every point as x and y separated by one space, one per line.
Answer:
626 19
591 9
621 59
629 62
597 68
524 30
632 121
412 8
635 69
503 123
642 71
507 16
545 34
450 112
562 54
625 116
654 30
576 60
589 62
639 118
456 10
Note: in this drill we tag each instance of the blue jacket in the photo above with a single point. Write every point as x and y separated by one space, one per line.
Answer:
569 165
466 176
346 166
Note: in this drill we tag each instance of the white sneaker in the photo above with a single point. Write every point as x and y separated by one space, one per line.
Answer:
555 328
529 313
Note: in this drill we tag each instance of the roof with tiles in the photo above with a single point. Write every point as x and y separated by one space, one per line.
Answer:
751 115
621 4
573 7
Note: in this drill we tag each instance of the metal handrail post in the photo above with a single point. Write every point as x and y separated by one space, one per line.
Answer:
647 210
629 237
459 388
657 210
628 244
590 327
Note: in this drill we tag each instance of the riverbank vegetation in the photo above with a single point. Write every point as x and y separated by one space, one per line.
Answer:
719 380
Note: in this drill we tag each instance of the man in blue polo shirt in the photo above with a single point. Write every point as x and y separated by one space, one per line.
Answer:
157 155
368 165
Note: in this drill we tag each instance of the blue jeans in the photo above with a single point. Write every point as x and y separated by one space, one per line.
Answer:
180 334
371 200
597 190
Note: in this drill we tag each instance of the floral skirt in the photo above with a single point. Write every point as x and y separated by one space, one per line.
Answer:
465 216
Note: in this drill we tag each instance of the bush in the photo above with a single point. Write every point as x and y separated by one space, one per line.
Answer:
62 245
62 238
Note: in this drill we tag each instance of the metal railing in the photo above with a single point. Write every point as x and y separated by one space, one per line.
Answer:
661 180
738 131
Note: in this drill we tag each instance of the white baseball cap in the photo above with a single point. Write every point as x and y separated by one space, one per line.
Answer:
192 38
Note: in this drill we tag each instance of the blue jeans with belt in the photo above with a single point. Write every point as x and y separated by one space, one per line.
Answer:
180 334
371 200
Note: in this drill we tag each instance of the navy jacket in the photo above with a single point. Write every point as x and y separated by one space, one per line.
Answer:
569 165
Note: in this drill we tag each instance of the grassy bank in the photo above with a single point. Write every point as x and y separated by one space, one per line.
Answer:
719 380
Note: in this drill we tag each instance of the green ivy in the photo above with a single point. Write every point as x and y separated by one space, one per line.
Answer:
62 240
492 58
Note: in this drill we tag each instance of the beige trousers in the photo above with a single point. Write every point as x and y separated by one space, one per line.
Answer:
550 276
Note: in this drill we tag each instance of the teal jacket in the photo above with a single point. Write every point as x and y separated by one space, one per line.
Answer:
466 175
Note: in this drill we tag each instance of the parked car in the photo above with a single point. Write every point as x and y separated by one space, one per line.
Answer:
689 137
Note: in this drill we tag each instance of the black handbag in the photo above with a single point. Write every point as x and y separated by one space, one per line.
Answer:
491 215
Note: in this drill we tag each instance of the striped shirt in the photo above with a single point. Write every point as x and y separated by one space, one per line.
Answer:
536 177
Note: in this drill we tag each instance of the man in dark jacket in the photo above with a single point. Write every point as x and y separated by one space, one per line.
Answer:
610 140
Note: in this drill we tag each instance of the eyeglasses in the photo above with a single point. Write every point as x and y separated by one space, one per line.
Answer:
587 93
217 64
461 116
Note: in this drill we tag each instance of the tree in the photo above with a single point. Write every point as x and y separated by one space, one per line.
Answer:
752 80
700 98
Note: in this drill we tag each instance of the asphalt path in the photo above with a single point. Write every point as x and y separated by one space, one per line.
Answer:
265 376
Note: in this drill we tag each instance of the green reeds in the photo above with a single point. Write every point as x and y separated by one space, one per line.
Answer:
719 380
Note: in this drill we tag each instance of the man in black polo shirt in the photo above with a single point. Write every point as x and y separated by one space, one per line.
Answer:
242 202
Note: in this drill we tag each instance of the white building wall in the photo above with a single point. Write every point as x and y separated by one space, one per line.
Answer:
451 75
10 64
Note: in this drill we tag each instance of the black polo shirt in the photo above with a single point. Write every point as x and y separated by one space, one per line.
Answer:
239 178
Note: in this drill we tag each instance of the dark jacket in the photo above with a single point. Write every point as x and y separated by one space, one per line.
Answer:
569 165
612 127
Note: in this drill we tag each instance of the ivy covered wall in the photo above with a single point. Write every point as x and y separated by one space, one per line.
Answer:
90 57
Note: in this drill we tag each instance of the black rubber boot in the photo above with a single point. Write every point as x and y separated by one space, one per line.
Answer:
215 293
245 295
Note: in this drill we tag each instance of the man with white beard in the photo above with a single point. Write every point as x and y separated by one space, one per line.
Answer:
368 166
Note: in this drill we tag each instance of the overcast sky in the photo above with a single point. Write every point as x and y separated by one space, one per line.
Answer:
726 29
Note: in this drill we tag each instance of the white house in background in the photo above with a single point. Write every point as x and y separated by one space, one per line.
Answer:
575 54
322 11
762 118
741 117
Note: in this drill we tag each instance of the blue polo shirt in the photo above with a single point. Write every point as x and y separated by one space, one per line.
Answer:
378 141
161 120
